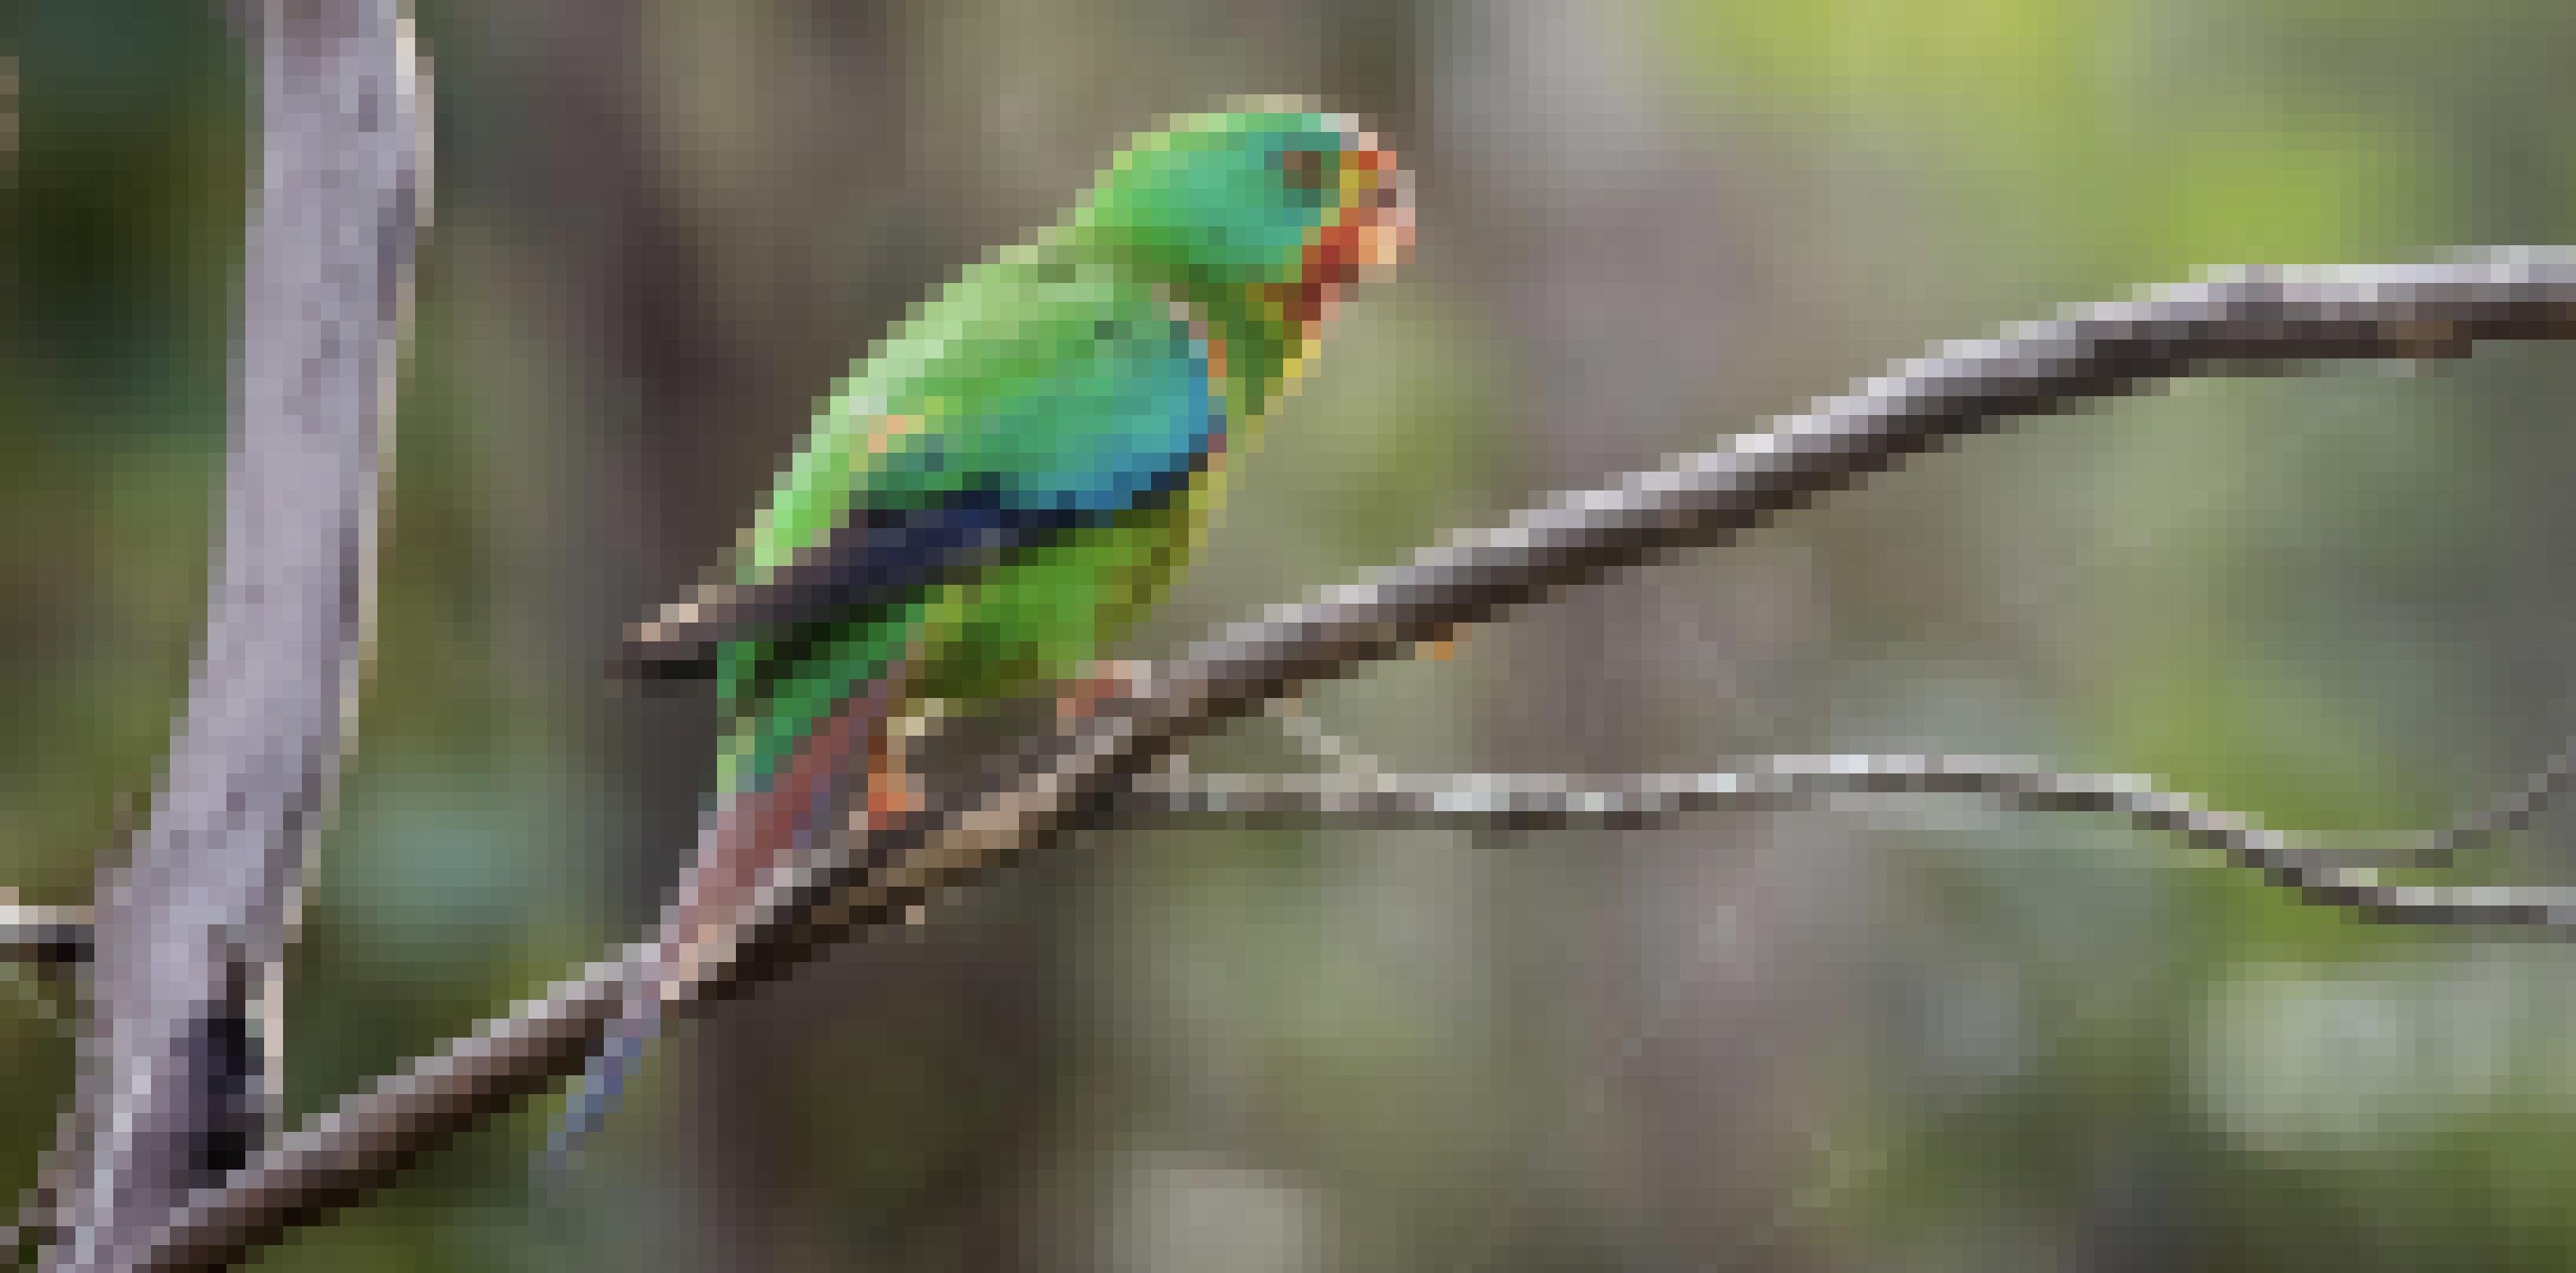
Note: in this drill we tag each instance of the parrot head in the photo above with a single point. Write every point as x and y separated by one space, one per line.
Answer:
1274 205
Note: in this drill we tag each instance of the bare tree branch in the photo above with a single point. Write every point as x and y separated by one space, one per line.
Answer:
2255 320
180 1067
2344 874
45 936
52 935
1552 802
2509 812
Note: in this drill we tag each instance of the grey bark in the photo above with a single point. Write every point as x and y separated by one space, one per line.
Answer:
180 1073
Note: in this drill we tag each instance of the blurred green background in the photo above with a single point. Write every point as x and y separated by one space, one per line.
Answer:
1810 1042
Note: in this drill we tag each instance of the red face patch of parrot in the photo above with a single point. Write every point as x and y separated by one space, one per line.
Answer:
1372 228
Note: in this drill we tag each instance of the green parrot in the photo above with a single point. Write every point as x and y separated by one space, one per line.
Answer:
995 493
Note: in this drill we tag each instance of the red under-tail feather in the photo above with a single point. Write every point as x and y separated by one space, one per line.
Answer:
744 841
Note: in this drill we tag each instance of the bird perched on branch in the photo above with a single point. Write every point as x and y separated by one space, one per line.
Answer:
999 489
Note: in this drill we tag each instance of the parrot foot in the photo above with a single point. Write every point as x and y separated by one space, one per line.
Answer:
892 791
1109 682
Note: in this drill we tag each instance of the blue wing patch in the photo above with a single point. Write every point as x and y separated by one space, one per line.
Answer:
1044 454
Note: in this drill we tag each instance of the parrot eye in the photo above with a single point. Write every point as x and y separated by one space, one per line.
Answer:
1302 170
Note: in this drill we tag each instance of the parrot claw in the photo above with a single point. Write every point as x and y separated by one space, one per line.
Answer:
1110 681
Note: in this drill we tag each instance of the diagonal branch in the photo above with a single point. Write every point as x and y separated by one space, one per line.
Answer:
2509 812
2257 320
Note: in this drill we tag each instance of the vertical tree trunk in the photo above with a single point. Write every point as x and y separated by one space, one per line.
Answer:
180 1078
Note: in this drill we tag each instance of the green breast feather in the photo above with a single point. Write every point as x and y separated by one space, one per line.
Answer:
1018 469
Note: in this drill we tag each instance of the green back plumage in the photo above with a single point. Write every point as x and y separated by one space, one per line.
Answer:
1071 384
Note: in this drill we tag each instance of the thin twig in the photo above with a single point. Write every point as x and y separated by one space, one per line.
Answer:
1363 799
1547 801
2256 320
2343 870
44 936
2507 813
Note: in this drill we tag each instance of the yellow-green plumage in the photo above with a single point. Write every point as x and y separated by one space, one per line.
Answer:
1067 345
1007 481
1074 367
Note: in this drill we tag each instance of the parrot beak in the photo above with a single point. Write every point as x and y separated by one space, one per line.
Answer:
1383 217
1369 233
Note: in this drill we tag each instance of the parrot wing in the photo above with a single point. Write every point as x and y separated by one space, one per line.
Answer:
1028 402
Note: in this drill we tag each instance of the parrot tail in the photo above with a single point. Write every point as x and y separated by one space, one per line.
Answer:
746 839
604 1079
